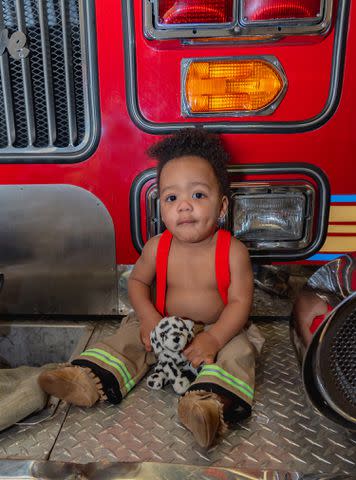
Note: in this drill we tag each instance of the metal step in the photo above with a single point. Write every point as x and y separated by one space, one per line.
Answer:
284 432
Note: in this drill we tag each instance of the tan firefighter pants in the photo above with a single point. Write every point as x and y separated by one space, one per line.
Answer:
120 361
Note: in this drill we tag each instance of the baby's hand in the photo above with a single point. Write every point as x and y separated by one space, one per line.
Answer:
203 349
145 331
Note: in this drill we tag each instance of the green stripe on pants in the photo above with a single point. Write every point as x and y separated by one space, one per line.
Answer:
236 383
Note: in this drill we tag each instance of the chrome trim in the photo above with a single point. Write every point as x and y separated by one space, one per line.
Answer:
226 25
6 89
279 28
235 42
47 72
69 77
318 25
193 30
154 224
26 79
267 110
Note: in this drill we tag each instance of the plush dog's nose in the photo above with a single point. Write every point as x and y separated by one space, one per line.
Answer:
176 339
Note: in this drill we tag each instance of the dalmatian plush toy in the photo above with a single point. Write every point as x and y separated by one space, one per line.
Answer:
168 340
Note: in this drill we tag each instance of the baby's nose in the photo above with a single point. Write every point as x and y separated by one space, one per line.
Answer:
184 205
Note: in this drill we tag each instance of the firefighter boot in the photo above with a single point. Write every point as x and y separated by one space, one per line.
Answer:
201 412
75 385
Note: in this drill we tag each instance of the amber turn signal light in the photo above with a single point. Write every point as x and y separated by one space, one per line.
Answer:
239 86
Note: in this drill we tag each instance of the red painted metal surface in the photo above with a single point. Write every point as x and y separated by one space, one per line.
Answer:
120 156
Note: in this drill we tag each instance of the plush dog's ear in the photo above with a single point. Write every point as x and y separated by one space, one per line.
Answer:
156 344
190 326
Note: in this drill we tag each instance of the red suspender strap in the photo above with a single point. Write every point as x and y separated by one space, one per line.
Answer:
222 263
164 245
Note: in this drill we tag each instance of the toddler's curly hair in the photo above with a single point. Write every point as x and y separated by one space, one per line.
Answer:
195 142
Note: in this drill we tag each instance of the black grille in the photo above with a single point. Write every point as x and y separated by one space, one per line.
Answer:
343 359
42 95
336 359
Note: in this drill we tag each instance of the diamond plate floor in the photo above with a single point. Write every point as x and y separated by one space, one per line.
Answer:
284 432
34 442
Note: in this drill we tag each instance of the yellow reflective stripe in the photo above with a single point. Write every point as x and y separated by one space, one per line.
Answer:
113 362
107 357
216 371
342 228
342 213
339 244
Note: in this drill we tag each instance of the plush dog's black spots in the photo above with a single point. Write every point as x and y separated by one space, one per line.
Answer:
168 340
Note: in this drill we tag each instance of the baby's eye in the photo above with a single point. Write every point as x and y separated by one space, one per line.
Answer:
171 198
198 195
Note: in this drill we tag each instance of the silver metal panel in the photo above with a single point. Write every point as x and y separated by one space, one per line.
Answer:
140 471
36 343
284 432
57 251
123 273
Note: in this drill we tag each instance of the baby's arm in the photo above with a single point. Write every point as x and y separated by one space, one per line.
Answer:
234 316
139 287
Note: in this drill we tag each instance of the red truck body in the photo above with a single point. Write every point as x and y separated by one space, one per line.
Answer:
136 83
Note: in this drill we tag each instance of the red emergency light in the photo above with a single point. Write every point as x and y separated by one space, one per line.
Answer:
195 11
210 19
265 10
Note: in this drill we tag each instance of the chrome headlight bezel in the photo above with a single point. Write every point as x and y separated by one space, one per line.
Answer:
274 189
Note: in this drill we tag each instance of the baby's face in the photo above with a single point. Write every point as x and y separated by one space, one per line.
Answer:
190 199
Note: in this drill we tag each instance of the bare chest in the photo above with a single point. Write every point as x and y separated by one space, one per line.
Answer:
192 270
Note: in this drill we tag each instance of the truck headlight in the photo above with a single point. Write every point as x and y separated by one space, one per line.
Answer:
272 215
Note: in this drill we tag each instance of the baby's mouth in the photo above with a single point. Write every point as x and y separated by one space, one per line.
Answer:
186 222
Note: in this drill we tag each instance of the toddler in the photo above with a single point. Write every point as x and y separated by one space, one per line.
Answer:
202 273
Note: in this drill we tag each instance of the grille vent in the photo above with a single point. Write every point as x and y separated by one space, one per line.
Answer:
43 101
343 359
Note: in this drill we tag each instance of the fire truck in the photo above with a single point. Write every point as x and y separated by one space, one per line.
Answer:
88 86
